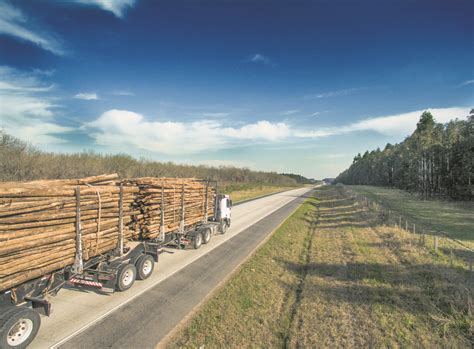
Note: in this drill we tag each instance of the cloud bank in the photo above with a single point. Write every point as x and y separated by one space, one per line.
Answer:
122 129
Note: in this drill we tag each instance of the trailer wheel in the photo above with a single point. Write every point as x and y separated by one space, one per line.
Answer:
126 277
206 236
145 265
18 327
197 241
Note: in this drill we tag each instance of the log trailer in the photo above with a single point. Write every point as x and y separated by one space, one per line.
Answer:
116 270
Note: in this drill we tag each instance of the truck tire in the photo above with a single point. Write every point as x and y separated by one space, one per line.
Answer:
223 227
228 223
197 241
145 265
18 327
126 276
206 236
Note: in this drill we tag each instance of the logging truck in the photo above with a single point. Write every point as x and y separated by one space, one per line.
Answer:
114 270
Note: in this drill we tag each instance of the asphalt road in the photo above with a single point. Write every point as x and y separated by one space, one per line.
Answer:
142 316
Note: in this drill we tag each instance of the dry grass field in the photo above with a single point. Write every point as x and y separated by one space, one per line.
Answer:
333 275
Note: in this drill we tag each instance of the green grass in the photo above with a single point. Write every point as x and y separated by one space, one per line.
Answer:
245 192
333 275
455 218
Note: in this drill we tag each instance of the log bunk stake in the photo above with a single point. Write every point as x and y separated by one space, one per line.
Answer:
181 223
162 214
78 262
120 223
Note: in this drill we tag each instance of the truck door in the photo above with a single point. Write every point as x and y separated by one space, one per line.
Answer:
226 205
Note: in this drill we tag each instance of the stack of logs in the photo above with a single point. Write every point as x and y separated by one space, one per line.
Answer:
38 219
168 194
38 224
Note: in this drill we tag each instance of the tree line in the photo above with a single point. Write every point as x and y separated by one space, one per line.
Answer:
436 160
301 179
20 161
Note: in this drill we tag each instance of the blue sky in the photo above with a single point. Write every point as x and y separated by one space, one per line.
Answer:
293 86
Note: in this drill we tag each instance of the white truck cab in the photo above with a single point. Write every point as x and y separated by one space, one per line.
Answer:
224 211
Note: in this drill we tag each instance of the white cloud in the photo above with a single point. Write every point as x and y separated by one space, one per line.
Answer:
48 72
261 130
215 115
5 85
123 93
337 93
290 112
465 83
117 7
87 96
25 113
14 22
124 130
261 59
391 125
121 128
323 132
13 80
404 124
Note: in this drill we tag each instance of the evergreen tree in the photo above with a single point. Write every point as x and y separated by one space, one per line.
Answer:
436 159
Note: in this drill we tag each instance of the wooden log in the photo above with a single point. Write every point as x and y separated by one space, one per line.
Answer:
12 245
107 178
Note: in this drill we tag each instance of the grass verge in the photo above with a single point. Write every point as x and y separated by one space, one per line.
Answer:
333 275
455 218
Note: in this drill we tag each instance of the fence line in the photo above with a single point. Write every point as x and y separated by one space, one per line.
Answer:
403 223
